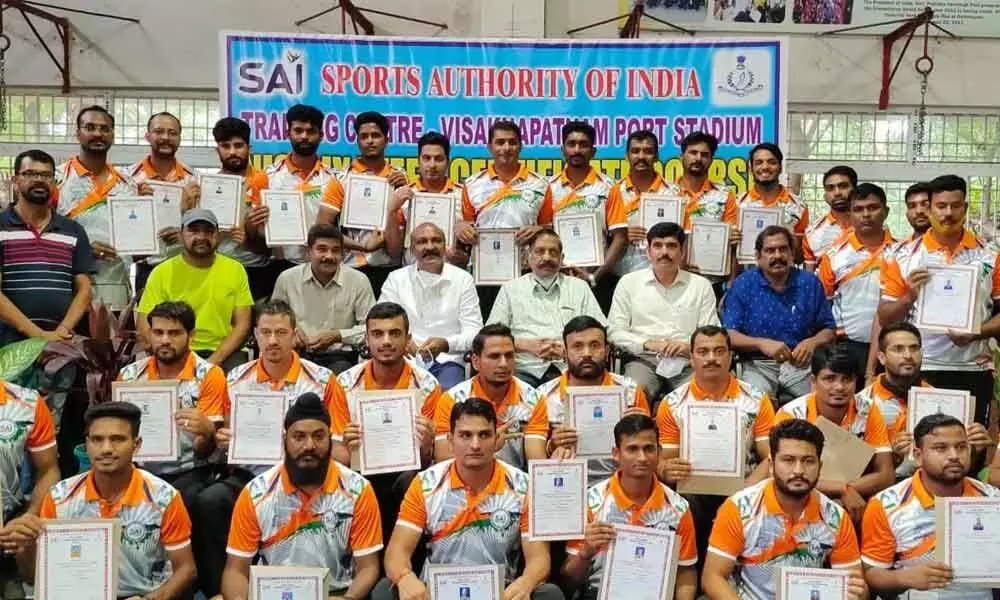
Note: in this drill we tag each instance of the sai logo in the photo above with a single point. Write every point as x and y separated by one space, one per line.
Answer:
286 76
742 77
8 430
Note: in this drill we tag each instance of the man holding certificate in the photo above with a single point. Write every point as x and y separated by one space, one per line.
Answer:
633 496
899 544
308 511
475 510
768 192
642 151
838 188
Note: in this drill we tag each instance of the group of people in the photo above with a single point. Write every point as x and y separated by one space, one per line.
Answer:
490 366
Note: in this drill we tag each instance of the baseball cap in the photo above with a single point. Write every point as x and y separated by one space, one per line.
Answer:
202 215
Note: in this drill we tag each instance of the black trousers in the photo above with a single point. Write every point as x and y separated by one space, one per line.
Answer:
338 362
215 509
377 277
977 383
262 278
191 484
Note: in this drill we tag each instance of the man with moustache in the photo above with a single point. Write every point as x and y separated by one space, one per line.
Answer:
918 206
441 302
767 191
838 187
642 152
308 511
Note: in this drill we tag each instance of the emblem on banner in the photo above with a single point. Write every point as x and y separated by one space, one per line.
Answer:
741 81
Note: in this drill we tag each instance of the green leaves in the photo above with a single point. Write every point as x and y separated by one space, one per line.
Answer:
18 357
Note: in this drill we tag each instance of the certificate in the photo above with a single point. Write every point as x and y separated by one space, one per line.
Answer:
438 209
923 401
949 299
582 239
845 456
221 194
495 257
802 583
158 428
712 441
594 411
465 582
257 422
78 559
660 208
641 564
389 441
968 534
284 583
366 202
557 492
708 248
167 197
132 223
752 222
286 221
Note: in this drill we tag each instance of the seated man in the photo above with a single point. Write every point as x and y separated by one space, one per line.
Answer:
31 437
898 535
473 488
156 560
587 353
537 305
524 427
441 303
781 521
632 496
307 512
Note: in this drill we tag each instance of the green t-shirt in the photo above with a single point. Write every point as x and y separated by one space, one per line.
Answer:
214 293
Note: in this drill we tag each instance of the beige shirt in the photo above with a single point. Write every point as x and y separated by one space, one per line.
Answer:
643 309
341 304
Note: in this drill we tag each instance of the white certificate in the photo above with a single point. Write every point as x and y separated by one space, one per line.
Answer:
708 247
78 559
389 441
158 401
641 564
366 202
286 221
287 583
802 583
557 492
968 535
594 411
582 239
257 422
660 208
948 299
168 198
465 582
712 441
752 222
923 401
438 209
133 226
496 259
222 195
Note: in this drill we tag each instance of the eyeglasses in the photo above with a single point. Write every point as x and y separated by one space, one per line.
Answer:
91 128
37 175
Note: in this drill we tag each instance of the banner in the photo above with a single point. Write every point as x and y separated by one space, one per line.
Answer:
735 90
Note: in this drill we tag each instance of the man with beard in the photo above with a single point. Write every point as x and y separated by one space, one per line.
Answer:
215 286
581 189
642 152
918 206
768 192
898 541
632 496
441 303
587 357
838 188
781 521
84 183
308 511
524 427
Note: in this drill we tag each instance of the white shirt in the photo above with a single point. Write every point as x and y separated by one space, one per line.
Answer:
643 309
448 308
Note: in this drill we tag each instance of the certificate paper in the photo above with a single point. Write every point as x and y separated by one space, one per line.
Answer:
557 492
845 456
78 559
752 222
158 429
465 582
801 583
923 401
286 221
495 257
366 202
438 209
708 248
132 223
949 299
594 411
582 239
968 534
389 441
221 194
287 583
660 208
257 423
712 441
167 197
641 565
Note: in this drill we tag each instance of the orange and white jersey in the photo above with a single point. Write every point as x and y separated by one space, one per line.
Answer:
597 194
153 523
491 203
893 410
822 234
850 274
940 353
284 175
712 201
899 530
333 195
359 378
863 419
794 212
25 425
635 257
286 527
467 530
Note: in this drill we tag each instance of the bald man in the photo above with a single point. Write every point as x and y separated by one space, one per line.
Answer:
441 303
